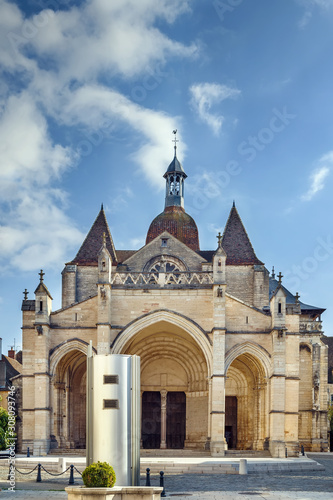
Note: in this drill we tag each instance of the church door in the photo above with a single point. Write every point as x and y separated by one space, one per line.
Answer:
151 419
176 419
231 421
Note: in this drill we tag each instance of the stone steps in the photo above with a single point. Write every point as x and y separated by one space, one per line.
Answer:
188 468
247 454
60 452
173 453
183 465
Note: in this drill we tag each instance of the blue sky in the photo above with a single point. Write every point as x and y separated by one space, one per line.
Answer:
90 92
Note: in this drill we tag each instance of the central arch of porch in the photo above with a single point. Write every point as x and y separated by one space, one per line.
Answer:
176 358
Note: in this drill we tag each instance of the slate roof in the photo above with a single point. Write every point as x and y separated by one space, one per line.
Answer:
207 254
123 255
291 299
175 166
236 242
88 253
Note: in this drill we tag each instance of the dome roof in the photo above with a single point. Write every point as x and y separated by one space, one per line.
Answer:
178 223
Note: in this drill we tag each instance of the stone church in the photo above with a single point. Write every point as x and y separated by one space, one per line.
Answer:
230 359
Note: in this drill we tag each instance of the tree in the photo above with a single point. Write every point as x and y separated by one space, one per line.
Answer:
3 428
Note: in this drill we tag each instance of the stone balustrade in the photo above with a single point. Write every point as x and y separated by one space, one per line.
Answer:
154 279
310 326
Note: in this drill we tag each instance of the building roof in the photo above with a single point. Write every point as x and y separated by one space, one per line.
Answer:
175 166
123 255
178 223
88 253
42 288
291 299
236 242
9 368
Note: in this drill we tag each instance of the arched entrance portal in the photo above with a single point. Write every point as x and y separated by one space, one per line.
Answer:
246 404
69 401
174 384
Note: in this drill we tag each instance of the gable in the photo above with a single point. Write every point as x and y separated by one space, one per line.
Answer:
164 245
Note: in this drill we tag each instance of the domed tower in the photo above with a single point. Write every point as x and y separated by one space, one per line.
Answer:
174 219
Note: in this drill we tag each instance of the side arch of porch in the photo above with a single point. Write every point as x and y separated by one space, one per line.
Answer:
68 394
248 368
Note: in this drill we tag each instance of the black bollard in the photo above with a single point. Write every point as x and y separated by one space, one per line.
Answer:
39 475
28 452
286 452
147 476
71 475
302 450
162 483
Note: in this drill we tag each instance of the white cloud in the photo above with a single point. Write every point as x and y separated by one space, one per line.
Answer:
206 95
113 38
27 152
58 62
318 176
310 6
138 242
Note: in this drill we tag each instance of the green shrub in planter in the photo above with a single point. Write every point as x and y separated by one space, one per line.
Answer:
99 475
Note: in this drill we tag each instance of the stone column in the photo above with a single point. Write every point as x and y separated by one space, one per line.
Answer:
278 394
59 389
164 393
218 442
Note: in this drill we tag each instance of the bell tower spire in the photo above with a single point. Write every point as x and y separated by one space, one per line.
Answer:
175 177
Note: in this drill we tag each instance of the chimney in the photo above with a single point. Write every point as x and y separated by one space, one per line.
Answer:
11 353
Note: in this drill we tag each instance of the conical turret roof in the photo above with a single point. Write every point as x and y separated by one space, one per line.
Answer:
88 253
176 167
236 242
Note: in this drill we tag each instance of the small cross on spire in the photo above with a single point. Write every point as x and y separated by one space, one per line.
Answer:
280 276
219 239
175 140
41 276
25 293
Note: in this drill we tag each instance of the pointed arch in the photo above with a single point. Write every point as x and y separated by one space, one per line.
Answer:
249 348
58 352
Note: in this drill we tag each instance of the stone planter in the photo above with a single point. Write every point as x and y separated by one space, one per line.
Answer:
115 493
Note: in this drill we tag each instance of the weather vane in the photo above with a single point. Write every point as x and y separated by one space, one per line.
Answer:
175 140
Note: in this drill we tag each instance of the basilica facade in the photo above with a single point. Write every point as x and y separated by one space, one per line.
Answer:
230 359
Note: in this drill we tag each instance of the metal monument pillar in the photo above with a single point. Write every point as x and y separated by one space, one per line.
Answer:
113 414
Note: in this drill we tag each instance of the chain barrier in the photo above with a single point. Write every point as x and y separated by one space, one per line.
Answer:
26 473
40 467
58 474
77 470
